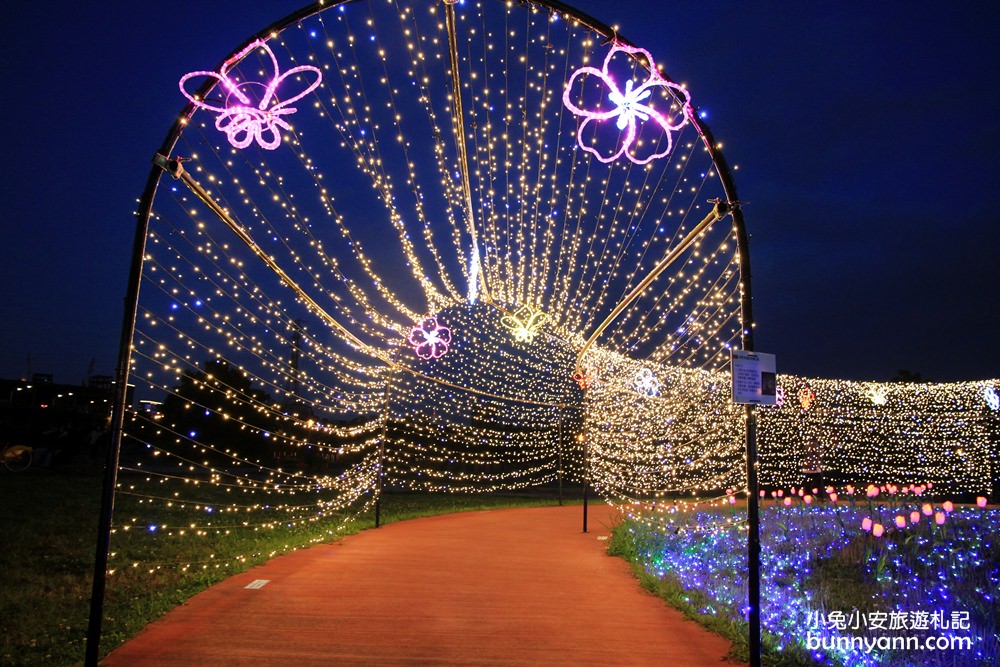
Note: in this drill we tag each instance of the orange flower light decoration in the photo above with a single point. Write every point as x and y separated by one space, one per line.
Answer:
807 397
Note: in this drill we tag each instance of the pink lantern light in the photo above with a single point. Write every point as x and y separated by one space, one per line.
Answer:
429 339
242 120
631 106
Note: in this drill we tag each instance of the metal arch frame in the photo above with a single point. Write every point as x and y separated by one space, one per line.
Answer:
131 302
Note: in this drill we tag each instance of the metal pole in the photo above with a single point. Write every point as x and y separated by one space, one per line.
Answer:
586 478
718 212
559 462
458 127
753 493
381 452
131 306
753 537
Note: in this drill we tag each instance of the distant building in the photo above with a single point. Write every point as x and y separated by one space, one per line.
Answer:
42 394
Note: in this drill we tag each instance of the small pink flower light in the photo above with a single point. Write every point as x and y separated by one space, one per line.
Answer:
780 493
948 506
833 497
914 517
866 524
762 494
980 501
808 500
901 521
892 489
930 485
939 518
878 529
850 490
429 339
788 501
927 509
872 491
732 500
829 489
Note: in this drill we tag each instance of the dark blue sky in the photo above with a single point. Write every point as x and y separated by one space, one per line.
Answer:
865 133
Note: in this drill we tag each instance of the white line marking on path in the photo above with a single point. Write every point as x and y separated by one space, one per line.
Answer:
258 583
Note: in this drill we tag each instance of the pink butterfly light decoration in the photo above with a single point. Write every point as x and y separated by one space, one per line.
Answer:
241 119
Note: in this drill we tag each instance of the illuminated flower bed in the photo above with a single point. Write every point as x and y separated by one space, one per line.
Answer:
862 582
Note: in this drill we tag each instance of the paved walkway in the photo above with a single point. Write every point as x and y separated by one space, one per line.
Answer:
504 588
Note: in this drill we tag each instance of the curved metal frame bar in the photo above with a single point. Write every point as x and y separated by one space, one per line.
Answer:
135 275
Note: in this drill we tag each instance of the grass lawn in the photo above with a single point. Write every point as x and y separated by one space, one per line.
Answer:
49 525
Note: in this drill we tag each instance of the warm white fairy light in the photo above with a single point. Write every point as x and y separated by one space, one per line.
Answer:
363 207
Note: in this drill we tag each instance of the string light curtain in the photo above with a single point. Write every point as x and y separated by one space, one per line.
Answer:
385 285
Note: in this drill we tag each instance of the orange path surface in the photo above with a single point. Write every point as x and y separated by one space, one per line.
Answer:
502 587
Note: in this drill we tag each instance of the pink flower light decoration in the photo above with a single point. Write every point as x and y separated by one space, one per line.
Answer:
787 501
939 518
833 496
779 396
243 119
927 509
878 529
948 506
631 106
866 524
429 339
980 501
901 521
914 517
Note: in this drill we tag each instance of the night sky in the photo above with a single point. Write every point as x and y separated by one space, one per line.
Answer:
866 136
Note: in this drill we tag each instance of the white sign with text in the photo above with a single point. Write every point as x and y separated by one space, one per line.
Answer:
754 378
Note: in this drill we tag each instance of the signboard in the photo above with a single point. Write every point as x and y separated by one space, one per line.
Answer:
754 378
